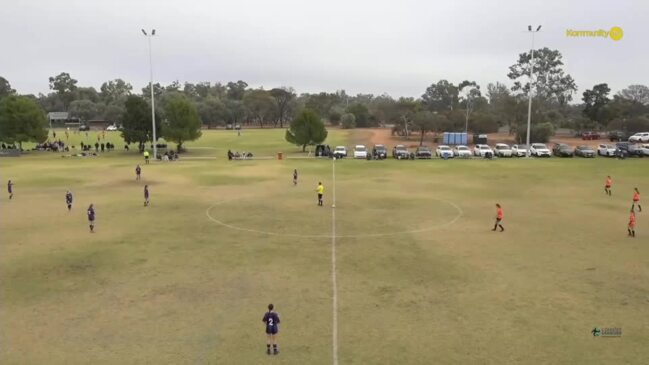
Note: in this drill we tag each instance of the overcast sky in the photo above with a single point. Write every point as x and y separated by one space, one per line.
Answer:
397 47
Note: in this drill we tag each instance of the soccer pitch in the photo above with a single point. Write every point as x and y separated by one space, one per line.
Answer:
420 276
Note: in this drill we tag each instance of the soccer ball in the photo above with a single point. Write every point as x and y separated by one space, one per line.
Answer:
334 158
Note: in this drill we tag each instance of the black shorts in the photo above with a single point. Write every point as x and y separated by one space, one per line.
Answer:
319 196
271 330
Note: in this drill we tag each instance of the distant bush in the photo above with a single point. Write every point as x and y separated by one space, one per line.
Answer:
540 133
348 121
483 123
334 118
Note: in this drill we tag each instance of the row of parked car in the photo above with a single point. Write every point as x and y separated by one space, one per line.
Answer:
379 151
619 136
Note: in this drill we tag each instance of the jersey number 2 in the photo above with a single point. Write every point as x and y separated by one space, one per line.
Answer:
270 321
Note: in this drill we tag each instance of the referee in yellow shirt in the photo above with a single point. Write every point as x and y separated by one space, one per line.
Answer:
320 191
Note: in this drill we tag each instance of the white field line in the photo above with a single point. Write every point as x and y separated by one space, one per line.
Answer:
459 215
333 267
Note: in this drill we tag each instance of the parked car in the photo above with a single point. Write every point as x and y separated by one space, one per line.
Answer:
589 136
617 136
360 151
462 151
642 137
379 151
606 150
645 148
444 151
483 150
628 149
519 150
540 150
584 151
503 150
340 152
423 152
322 150
563 150
111 128
400 152
84 127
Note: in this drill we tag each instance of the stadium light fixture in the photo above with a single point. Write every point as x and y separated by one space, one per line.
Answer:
529 92
155 147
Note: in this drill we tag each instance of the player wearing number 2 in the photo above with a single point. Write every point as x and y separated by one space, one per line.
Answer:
271 319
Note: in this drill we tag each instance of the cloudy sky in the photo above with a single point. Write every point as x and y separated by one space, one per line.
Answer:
371 46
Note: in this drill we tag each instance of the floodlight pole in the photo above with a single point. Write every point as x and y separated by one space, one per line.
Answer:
466 126
155 148
529 104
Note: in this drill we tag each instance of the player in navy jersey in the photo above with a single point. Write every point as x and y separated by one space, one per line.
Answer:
138 173
271 320
68 200
10 189
91 218
295 177
146 195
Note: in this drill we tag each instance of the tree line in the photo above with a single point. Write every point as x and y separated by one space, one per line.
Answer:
444 105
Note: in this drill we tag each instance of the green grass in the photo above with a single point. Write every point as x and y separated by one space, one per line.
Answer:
213 143
166 284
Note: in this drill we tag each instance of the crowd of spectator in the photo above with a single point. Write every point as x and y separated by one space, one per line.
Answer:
239 156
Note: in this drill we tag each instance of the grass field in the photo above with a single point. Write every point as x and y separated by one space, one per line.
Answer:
421 279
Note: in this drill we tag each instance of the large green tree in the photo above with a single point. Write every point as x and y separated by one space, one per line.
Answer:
5 88
362 114
182 122
86 93
470 97
424 121
115 89
636 93
441 96
158 90
83 109
235 111
212 111
383 109
348 121
236 90
406 109
322 103
550 79
306 129
595 102
64 85
260 105
136 121
21 120
283 97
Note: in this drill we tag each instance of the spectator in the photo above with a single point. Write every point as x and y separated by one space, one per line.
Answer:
96 146
102 147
